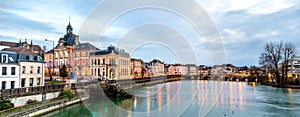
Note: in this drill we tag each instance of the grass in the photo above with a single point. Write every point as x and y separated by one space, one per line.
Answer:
54 82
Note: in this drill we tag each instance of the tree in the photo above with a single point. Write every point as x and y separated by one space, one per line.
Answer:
288 51
272 56
63 71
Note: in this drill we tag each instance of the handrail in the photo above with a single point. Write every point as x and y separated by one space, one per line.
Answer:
21 109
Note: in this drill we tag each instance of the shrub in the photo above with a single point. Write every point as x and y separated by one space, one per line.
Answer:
31 101
5 104
67 92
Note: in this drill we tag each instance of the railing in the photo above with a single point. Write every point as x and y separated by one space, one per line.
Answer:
8 93
29 108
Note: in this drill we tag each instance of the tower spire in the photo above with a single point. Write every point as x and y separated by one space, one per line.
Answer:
69 20
69 28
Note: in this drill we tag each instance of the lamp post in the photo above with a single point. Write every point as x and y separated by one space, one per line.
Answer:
52 61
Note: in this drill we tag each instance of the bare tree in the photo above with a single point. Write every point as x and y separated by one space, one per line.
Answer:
288 51
272 56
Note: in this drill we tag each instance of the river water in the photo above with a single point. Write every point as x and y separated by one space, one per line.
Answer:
194 98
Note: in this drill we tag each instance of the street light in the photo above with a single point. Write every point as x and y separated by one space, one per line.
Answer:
52 61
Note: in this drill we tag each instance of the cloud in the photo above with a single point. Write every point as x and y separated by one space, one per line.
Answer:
244 25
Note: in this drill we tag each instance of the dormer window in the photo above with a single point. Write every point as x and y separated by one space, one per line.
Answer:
4 58
30 58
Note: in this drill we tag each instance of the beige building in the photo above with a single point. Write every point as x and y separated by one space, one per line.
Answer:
136 68
112 63
157 68
176 69
31 70
63 52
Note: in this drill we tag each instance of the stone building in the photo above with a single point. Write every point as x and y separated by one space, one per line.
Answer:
63 52
111 63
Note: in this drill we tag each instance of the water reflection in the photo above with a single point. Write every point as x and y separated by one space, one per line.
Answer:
193 98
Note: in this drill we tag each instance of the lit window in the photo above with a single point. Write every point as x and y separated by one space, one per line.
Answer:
31 69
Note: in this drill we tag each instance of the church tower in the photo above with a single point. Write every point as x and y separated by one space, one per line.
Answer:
69 29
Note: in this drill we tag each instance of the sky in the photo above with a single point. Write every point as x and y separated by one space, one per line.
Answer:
147 33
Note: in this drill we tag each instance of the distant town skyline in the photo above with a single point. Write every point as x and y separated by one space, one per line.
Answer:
245 26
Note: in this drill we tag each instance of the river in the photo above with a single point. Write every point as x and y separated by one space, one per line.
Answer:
195 98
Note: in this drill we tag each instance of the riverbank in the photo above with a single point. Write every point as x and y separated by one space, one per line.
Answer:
281 86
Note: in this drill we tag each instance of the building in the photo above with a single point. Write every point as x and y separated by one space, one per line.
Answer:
136 67
192 69
7 46
82 59
9 67
204 71
157 68
63 52
31 70
294 67
176 69
31 67
111 63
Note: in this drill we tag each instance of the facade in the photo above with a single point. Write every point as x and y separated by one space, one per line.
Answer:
63 52
192 69
9 76
112 63
31 70
82 60
136 68
157 68
176 69
294 67
204 71
21 69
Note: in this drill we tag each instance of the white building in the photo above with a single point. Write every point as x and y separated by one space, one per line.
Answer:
9 76
294 67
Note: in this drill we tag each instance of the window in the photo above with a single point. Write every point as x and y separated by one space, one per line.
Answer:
30 58
31 82
23 69
4 70
98 71
98 61
38 82
13 70
31 69
23 81
103 61
38 70
4 58
12 84
3 85
86 53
